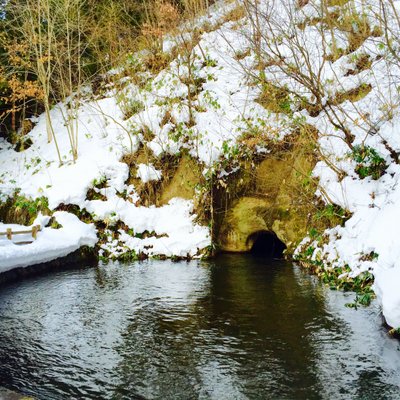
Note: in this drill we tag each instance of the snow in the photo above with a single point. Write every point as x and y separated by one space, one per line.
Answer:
148 173
172 229
386 287
50 243
36 171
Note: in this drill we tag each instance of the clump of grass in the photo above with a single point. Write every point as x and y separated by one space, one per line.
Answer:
369 162
362 62
346 19
332 3
132 107
236 14
22 210
275 98
352 95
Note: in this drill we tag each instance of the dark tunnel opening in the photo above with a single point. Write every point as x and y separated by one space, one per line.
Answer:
266 244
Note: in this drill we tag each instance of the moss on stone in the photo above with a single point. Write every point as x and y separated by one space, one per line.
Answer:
183 182
279 198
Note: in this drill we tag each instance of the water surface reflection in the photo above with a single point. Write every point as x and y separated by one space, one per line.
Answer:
233 328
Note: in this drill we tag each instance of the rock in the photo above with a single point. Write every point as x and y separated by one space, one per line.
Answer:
6 394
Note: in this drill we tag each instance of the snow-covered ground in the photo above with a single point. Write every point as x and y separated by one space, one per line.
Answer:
50 243
223 107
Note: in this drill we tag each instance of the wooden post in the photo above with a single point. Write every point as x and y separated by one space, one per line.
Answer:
9 233
35 231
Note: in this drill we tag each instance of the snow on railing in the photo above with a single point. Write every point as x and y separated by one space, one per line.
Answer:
9 232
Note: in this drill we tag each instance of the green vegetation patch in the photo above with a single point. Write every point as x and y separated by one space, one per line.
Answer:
275 98
337 278
369 162
22 210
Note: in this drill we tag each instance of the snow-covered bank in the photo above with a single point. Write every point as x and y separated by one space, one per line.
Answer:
170 230
50 243
387 289
361 177
109 129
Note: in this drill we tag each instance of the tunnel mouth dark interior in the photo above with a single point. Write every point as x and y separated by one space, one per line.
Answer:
266 244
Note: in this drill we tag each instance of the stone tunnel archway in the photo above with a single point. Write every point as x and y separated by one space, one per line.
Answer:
251 223
268 196
265 243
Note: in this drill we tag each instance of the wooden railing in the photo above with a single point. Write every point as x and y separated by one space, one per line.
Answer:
33 231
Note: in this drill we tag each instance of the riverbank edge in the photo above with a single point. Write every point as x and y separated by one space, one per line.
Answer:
362 288
89 257
7 394
85 255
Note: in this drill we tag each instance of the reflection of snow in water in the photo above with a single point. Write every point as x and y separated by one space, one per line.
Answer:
359 359
234 328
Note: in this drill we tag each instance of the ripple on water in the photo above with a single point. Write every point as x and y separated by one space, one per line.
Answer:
233 328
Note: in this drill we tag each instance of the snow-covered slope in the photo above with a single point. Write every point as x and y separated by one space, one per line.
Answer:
359 92
224 106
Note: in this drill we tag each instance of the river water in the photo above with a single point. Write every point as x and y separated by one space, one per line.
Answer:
237 327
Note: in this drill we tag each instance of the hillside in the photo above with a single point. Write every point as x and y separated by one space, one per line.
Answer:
233 85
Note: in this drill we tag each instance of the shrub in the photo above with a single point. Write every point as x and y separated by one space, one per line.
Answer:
369 162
